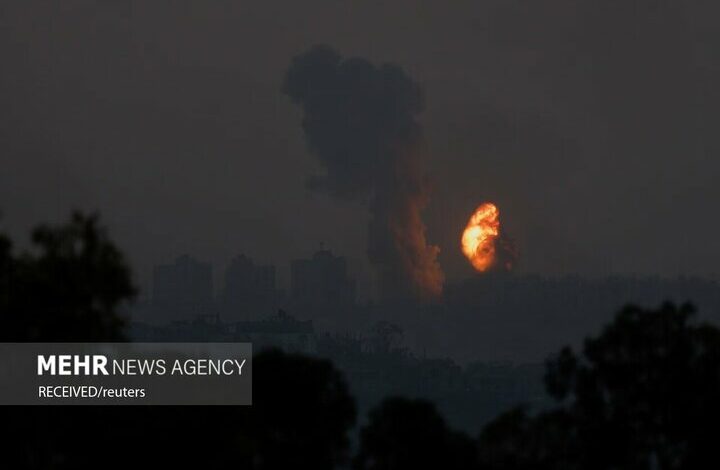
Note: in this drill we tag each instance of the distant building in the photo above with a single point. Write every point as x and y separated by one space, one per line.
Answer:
250 290
321 288
183 289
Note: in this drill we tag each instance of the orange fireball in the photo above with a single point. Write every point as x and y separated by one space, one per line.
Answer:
478 239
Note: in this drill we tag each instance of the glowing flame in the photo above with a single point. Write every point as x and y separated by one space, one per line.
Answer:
478 239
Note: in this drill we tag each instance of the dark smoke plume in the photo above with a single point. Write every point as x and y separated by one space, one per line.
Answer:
359 120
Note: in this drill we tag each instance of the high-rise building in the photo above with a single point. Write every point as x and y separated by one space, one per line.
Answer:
182 290
250 291
321 287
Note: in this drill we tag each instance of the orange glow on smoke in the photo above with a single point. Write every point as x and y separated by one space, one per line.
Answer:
478 239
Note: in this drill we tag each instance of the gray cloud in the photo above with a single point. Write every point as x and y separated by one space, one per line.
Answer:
360 120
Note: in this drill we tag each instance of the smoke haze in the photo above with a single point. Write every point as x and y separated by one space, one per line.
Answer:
575 118
360 122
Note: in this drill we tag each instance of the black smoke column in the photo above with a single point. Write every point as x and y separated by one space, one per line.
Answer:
359 119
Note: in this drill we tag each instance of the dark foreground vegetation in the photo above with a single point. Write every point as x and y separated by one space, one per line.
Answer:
643 394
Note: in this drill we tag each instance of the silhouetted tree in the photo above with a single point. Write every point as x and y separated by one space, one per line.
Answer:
410 434
516 441
643 395
300 418
302 412
68 288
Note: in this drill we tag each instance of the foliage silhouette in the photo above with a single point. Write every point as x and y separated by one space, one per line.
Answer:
301 414
515 440
300 418
409 434
70 288
643 395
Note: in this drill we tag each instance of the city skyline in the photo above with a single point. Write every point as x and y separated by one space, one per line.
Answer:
528 107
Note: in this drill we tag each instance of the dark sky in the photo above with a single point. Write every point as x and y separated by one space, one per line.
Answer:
591 124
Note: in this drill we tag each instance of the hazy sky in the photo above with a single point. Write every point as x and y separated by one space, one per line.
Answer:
591 124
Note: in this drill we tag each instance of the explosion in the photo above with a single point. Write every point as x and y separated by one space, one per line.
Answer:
361 122
478 239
